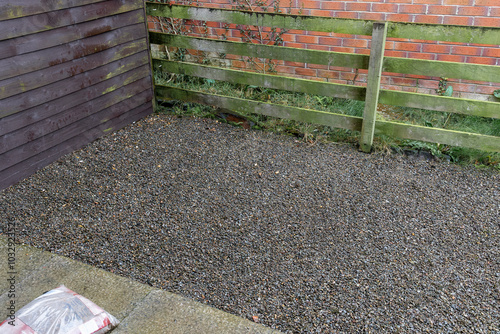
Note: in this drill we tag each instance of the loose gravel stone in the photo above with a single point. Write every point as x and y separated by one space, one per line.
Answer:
304 239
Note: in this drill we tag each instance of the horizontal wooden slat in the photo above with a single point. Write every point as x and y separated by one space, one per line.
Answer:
46 57
344 26
269 109
69 102
442 136
450 33
139 64
262 51
263 80
445 32
440 103
31 148
126 27
27 167
433 68
21 136
29 81
66 17
32 7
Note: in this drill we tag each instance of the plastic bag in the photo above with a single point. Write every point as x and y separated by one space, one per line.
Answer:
60 311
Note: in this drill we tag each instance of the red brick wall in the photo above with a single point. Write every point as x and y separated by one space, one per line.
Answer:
454 12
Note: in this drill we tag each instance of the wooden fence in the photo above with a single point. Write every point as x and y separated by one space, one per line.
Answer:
375 63
70 72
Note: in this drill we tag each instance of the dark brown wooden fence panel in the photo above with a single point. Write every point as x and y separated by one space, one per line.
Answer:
70 72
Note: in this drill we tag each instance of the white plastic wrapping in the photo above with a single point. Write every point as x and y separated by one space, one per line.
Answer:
60 311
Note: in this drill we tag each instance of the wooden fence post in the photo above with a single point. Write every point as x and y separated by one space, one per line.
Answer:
373 86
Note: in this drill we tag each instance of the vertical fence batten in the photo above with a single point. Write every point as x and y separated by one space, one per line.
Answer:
373 86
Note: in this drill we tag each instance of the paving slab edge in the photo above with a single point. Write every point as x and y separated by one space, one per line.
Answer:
149 310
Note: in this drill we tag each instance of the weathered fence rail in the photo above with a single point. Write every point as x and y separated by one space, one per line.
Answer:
376 63
70 72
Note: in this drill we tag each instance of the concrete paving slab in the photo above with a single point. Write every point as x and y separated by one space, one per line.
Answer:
27 259
117 295
139 307
164 312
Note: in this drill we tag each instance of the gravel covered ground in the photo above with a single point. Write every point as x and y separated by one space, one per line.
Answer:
302 238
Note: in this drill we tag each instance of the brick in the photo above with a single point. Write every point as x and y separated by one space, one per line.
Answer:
466 50
486 2
399 54
458 20
384 7
458 87
317 67
333 5
421 55
310 4
458 2
238 64
330 41
357 6
328 74
428 83
288 37
349 76
491 52
427 2
436 48
306 39
294 64
212 24
318 47
342 49
399 1
488 90
389 45
442 10
495 12
428 19
472 11
356 43
403 81
416 47
481 60
319 12
415 76
372 16
453 58
295 45
346 15
285 69
487 21
399 17
363 51
412 9
305 71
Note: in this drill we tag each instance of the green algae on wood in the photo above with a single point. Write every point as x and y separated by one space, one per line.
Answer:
442 136
262 80
434 68
269 109
373 85
440 103
262 51
273 20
